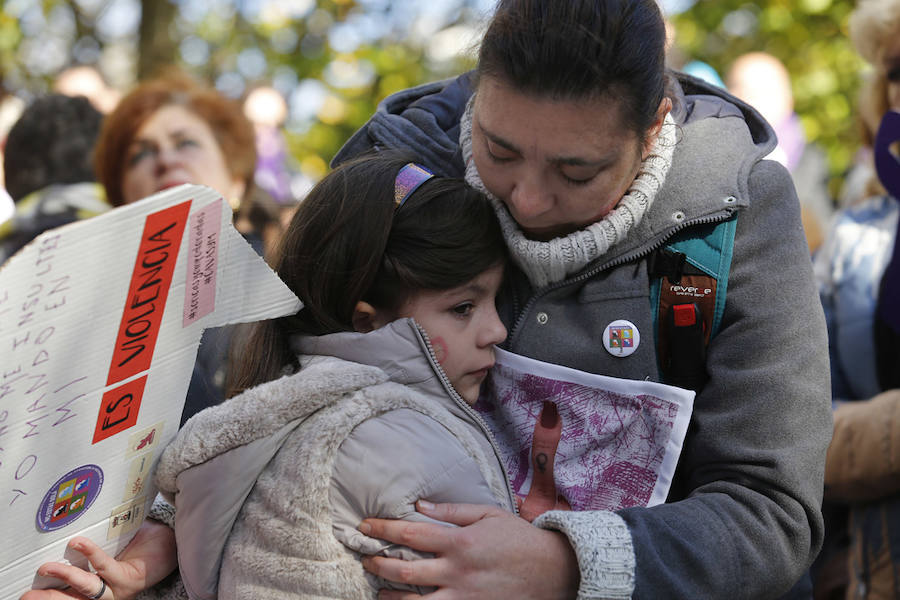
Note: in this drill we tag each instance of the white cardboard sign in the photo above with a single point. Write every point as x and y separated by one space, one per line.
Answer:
100 322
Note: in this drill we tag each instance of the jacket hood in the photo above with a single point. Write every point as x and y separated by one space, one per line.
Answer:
695 99
424 119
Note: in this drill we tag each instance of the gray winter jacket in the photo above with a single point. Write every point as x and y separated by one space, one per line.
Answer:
743 516
270 486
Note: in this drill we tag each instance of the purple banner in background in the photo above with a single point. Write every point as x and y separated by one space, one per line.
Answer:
888 168
886 163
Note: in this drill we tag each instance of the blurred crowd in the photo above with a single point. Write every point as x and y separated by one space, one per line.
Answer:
85 132
86 148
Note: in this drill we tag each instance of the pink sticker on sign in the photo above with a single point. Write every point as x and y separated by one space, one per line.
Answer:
203 255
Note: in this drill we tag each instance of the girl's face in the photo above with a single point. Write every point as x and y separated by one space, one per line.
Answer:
172 147
558 165
463 326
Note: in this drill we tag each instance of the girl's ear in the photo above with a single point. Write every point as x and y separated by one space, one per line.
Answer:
366 317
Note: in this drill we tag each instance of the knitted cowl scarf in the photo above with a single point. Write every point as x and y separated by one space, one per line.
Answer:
552 261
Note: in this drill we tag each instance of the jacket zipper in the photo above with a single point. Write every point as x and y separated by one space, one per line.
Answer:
454 395
640 253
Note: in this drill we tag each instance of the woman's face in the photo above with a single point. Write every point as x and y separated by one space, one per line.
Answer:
172 147
558 165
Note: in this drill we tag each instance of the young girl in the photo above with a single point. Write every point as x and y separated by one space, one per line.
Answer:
358 405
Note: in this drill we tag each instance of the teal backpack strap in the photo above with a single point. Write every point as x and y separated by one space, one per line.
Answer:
688 286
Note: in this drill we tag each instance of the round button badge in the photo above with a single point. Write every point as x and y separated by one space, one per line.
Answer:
621 338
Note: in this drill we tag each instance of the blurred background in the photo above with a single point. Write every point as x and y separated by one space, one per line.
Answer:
808 36
325 64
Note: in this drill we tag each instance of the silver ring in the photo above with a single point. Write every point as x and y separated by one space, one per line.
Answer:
102 591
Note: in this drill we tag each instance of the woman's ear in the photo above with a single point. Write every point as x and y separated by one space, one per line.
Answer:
366 317
665 106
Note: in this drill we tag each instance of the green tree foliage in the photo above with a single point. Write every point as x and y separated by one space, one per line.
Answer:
810 37
354 79
334 60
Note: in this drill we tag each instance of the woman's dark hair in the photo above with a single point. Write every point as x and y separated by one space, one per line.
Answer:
349 242
581 50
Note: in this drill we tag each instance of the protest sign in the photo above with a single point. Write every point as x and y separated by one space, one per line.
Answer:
100 322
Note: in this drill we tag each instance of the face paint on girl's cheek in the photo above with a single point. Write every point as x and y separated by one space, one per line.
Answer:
440 349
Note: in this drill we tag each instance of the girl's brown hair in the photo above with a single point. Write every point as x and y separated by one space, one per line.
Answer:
349 242
233 131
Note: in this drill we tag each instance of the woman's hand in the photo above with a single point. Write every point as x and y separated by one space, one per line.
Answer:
493 554
147 560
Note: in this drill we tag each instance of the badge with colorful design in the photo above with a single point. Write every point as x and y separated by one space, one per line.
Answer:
69 497
621 338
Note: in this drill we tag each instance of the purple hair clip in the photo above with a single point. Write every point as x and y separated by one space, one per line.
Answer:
408 180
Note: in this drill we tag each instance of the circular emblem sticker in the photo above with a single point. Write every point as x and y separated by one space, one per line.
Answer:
70 497
621 338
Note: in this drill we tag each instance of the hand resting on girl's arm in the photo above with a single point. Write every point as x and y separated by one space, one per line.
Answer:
492 554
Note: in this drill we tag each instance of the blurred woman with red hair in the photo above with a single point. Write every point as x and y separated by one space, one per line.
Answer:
170 131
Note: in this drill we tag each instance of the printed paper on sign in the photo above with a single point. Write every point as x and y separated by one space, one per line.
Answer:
100 322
